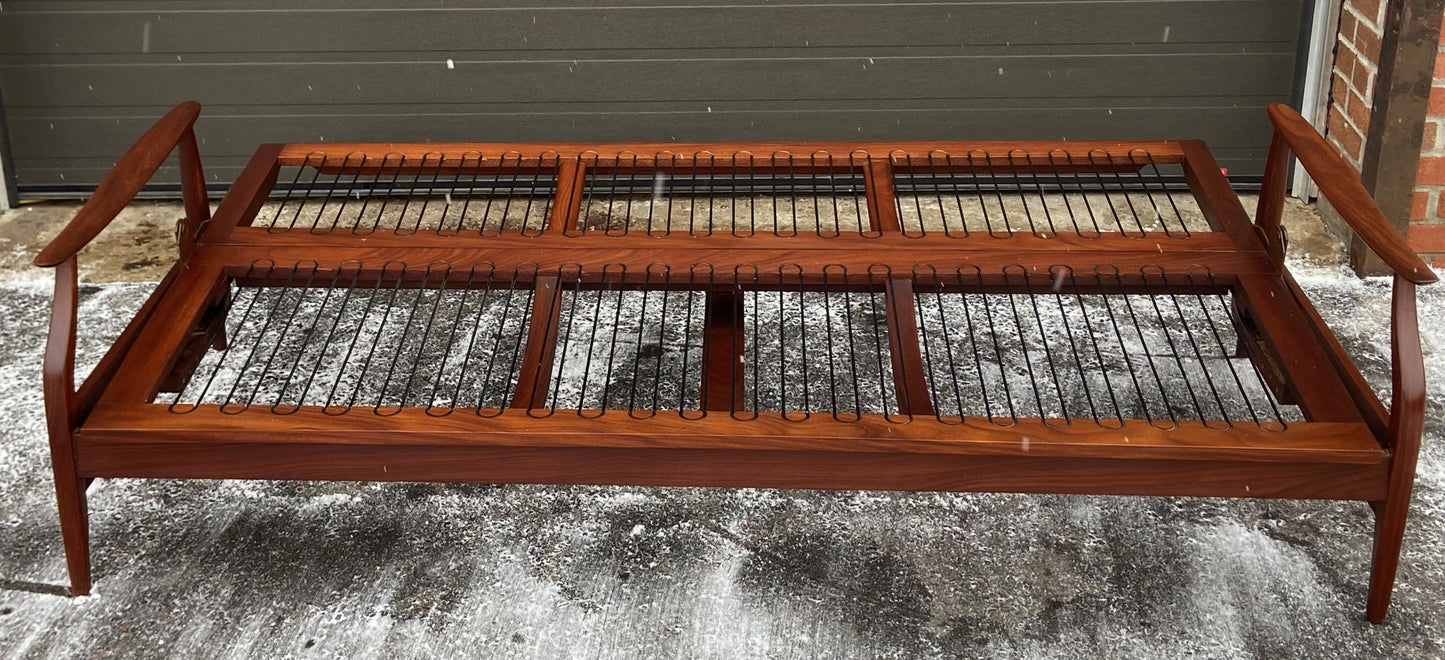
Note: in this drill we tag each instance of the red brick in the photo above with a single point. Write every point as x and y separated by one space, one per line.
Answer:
1427 139
1368 43
1358 111
1345 62
1436 104
1349 140
1439 67
1426 238
1418 202
1437 263
1360 79
1439 209
1340 89
1431 172
1369 10
1347 27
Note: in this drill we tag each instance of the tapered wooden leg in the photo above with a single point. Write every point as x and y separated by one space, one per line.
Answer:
1407 422
62 416
1389 535
74 528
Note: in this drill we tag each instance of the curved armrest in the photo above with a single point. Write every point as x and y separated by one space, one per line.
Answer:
1340 184
64 405
130 173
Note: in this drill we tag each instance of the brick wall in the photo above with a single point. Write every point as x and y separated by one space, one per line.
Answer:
1427 208
1351 89
1353 83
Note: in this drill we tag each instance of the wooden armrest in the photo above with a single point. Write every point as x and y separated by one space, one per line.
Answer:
1340 184
120 186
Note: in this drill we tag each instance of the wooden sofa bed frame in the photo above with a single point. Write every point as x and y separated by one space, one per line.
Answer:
352 312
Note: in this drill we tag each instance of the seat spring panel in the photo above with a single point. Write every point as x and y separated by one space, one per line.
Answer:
609 358
1086 352
403 195
319 318
392 343
703 194
1000 193
999 346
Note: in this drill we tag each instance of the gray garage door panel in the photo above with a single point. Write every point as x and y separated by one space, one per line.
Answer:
584 26
96 142
1043 79
82 79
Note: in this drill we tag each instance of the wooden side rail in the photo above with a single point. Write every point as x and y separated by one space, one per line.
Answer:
65 406
1401 426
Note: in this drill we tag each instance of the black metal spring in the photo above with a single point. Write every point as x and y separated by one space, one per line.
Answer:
427 337
960 195
447 194
1066 349
1000 346
742 194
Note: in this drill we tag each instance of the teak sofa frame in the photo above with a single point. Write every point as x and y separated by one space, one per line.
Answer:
127 420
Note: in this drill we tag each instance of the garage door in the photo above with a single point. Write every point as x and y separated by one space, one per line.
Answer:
81 79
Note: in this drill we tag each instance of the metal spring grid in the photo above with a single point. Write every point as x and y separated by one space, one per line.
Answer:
998 346
427 337
818 350
959 195
444 193
345 338
1067 349
629 350
805 349
742 194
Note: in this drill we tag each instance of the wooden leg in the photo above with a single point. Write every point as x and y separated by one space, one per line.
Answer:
74 527
1407 421
62 416
1389 535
